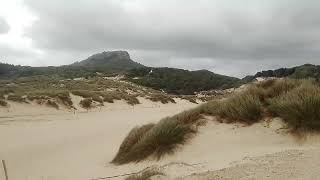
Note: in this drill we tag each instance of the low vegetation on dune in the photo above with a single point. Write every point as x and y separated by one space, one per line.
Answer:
3 103
157 140
297 102
86 103
300 108
56 89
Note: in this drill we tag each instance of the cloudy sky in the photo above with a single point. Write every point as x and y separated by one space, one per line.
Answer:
225 36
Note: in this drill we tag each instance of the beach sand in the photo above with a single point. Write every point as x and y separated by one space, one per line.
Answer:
40 143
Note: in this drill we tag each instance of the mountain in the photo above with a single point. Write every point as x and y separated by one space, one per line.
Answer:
298 72
179 81
110 61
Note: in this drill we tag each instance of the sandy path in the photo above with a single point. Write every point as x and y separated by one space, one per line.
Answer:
291 164
67 146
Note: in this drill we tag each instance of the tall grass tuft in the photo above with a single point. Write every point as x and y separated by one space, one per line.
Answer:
3 103
157 140
131 139
300 108
244 107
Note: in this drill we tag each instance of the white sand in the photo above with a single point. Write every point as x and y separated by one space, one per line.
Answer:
40 143
45 144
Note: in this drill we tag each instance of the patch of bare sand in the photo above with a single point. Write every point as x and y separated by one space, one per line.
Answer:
61 145
41 143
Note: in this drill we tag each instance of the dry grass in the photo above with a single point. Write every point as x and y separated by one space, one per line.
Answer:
158 140
86 103
300 108
163 98
3 103
16 98
52 103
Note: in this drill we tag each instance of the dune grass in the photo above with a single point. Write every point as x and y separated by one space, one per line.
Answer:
300 108
86 103
297 102
157 140
3 103
163 98
16 98
243 107
51 103
145 175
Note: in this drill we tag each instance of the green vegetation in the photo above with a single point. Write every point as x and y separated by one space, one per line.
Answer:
179 81
244 107
145 175
300 108
86 103
157 140
163 98
3 103
53 104
16 98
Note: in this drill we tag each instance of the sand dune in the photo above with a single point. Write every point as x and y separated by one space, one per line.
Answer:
40 143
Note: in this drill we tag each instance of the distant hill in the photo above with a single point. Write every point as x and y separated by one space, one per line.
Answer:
179 81
298 72
110 61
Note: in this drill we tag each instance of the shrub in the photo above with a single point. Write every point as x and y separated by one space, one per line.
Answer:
145 175
95 96
163 138
131 100
164 99
17 98
3 103
53 104
65 98
86 103
300 108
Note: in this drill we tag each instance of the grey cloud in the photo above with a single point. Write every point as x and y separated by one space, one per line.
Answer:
4 26
181 33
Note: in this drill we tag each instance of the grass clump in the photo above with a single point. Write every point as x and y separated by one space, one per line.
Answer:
17 98
52 103
95 96
3 103
86 103
145 175
157 140
300 108
164 99
244 107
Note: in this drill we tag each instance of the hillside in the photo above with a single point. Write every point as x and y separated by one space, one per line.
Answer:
298 72
179 81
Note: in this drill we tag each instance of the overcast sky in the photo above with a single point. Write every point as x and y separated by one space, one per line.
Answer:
229 37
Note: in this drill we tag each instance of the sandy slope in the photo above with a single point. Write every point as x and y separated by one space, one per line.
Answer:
44 144
41 143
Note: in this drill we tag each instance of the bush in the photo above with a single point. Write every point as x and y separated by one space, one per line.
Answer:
131 100
53 104
95 96
300 108
17 98
3 103
86 103
145 175
164 99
